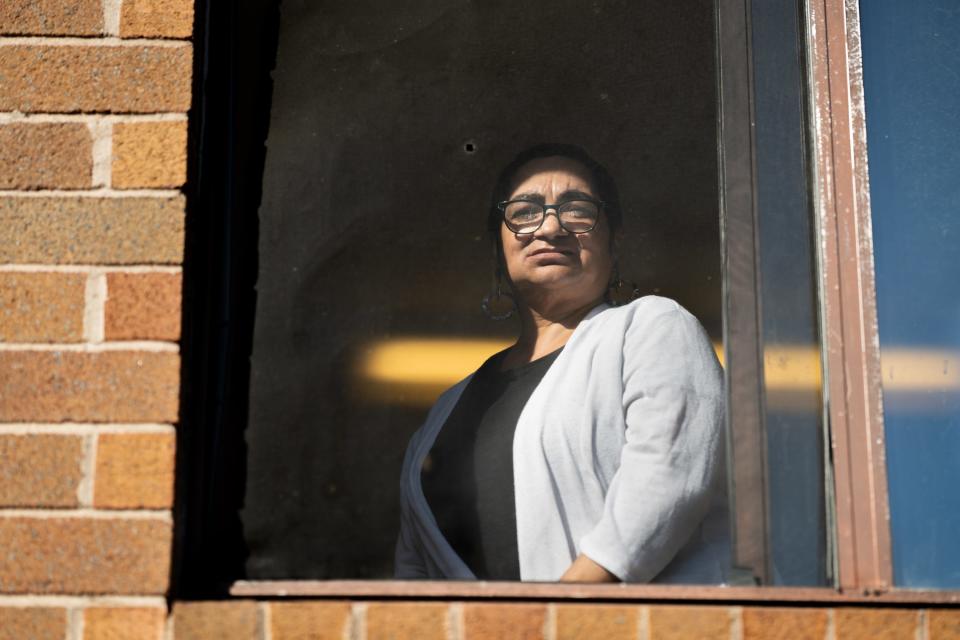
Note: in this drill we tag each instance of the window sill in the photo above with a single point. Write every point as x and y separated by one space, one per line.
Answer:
437 589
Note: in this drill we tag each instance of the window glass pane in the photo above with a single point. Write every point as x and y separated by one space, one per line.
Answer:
771 306
389 125
911 57
788 308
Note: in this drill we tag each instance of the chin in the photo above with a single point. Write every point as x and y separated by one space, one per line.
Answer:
552 280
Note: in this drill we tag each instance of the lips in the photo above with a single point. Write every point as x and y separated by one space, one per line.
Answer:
550 251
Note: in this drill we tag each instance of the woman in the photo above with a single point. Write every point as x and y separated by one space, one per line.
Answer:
592 449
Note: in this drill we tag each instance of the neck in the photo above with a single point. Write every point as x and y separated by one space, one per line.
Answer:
543 330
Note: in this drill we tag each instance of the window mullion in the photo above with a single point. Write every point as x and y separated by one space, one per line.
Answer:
848 296
741 294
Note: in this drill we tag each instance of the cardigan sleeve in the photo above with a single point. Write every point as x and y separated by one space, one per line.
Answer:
408 561
673 409
415 556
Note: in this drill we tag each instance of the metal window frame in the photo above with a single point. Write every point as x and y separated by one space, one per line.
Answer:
851 345
743 336
856 477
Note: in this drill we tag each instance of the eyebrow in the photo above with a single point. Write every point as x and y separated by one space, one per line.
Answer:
569 194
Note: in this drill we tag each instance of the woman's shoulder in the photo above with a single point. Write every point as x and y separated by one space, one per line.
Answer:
652 326
643 311
653 306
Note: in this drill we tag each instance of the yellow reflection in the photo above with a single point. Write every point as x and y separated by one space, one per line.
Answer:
427 360
413 371
911 370
791 368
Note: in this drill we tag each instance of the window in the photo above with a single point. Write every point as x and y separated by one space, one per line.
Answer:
912 127
388 129
378 121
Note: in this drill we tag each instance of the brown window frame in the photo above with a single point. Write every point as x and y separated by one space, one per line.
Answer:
848 314
848 298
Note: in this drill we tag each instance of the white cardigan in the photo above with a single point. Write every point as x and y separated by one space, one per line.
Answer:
618 454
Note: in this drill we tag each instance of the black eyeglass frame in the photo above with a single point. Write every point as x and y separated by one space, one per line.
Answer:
502 206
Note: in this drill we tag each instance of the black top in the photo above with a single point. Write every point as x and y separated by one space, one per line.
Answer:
468 475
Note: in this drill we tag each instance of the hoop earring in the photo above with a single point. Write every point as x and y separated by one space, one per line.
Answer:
619 291
495 297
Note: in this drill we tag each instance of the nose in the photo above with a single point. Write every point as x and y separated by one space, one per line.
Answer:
551 224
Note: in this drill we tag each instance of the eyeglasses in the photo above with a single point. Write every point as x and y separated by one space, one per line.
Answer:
574 216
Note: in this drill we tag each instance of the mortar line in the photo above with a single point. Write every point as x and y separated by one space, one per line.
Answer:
923 625
266 632
455 621
168 626
102 151
111 17
358 621
91 193
107 41
152 346
65 429
550 624
89 269
95 514
88 463
736 622
94 307
643 623
19 117
75 623
48 600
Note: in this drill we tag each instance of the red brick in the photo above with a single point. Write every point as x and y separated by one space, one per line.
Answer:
589 621
156 19
149 154
86 230
51 17
309 620
84 555
230 620
40 470
500 621
774 623
943 624
41 307
689 621
875 623
143 306
114 79
106 386
47 155
123 623
406 621
35 623
134 471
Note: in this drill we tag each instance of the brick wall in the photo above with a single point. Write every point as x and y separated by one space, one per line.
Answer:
93 138
319 620
94 97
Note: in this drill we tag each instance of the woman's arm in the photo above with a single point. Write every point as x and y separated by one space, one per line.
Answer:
670 463
584 569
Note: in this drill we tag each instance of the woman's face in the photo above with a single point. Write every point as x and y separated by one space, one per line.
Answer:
551 265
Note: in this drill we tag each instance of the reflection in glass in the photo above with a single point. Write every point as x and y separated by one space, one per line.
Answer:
911 53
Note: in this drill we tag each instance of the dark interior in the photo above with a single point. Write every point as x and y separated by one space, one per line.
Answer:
388 126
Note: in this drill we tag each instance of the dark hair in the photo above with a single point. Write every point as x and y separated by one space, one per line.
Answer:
602 181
